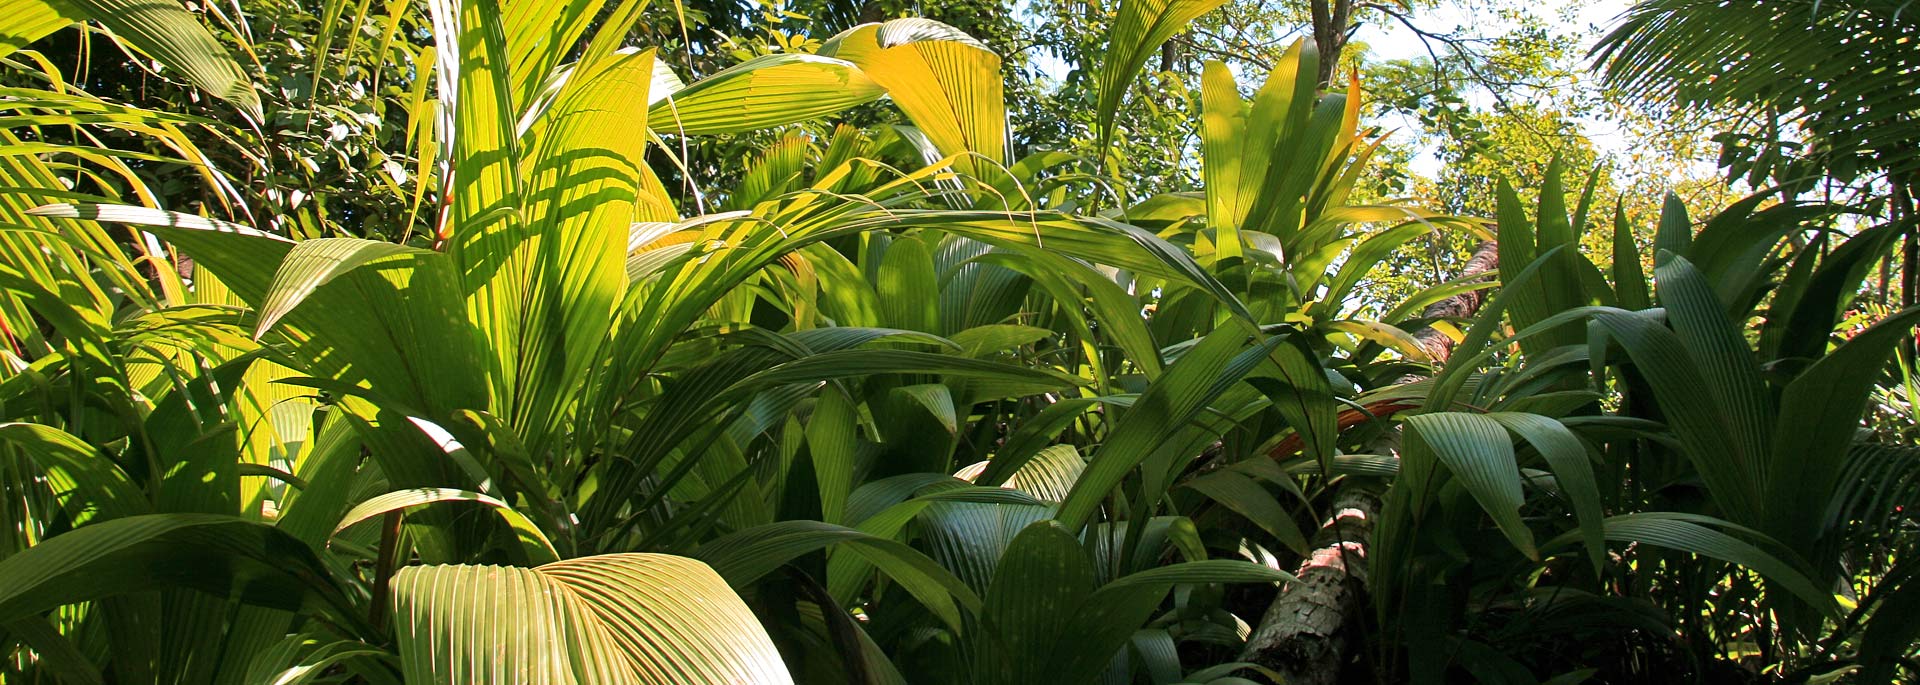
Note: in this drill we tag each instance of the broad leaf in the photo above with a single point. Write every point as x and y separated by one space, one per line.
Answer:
537 548
312 264
748 555
85 483
1567 456
1680 533
1218 362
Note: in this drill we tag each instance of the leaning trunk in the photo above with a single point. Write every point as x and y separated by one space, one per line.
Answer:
1304 634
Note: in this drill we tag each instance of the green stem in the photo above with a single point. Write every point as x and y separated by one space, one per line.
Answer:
383 570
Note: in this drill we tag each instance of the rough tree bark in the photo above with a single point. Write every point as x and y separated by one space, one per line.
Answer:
1303 635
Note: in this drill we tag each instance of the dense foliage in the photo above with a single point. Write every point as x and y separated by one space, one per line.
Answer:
576 341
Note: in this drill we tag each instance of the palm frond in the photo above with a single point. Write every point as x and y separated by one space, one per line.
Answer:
1846 69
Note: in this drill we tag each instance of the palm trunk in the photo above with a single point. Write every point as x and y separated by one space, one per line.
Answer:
1304 634
1485 257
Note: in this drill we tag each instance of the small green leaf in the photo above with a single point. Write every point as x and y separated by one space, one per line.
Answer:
538 549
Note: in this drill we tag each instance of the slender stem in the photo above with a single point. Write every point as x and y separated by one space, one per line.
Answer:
1910 251
383 570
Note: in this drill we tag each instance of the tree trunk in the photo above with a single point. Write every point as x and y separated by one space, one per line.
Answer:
1304 634
1330 20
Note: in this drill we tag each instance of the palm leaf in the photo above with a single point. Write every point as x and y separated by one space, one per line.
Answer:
1687 534
945 81
764 92
545 294
222 555
1140 29
160 28
626 618
1819 413
311 264
1567 456
1840 66
1040 584
1218 362
745 556
84 482
27 22
537 548
1476 449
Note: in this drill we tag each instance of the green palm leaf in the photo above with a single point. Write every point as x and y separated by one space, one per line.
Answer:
311 264
87 484
624 618
1039 586
1143 25
1819 413
745 556
945 81
160 28
537 548
1477 451
764 92
30 21
1567 456
1687 534
222 555
1842 67
545 293
1219 361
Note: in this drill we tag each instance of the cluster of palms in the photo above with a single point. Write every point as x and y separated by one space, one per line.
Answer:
890 410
